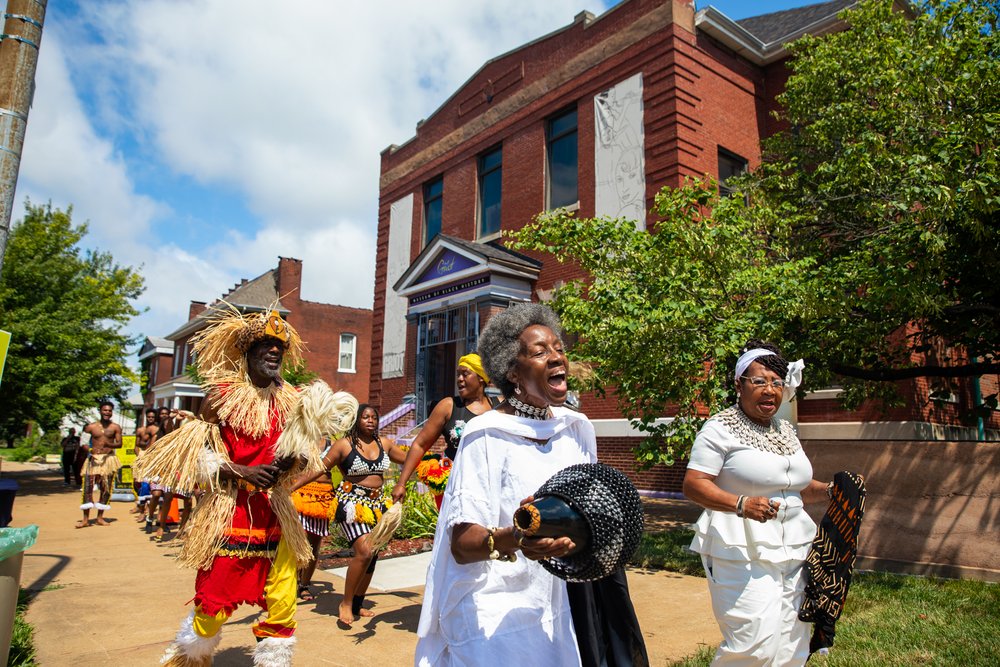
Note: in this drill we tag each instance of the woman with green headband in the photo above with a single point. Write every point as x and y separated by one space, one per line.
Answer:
448 418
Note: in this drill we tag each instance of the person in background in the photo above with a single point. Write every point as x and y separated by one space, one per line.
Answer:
749 472
70 449
165 420
316 504
448 419
144 437
102 464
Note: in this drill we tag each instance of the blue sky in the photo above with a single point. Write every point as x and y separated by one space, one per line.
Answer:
203 138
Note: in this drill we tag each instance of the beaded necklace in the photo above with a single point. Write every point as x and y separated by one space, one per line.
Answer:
778 438
522 409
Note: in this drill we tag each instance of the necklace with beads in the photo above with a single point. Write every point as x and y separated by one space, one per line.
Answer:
776 438
522 409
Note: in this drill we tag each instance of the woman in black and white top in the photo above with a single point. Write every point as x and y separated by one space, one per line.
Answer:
363 457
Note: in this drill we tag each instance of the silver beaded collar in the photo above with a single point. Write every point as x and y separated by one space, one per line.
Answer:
778 438
522 409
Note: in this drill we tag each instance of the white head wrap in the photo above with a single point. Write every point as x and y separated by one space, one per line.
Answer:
793 378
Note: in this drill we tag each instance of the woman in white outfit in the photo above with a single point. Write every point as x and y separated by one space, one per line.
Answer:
749 472
487 600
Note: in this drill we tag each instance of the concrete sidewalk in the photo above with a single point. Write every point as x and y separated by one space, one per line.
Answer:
110 595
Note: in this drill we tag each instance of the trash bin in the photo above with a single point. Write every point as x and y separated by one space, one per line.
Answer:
13 542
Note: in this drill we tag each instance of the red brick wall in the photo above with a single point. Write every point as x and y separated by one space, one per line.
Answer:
617 453
320 326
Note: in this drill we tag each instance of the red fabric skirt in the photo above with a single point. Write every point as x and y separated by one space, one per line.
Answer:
230 582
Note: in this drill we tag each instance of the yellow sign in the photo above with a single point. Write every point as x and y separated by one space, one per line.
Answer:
123 480
4 344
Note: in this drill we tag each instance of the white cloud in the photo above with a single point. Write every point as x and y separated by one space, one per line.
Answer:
287 105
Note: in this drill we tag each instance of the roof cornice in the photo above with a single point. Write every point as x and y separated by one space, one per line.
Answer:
727 31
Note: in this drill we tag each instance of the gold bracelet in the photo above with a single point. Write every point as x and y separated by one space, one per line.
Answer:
490 545
495 553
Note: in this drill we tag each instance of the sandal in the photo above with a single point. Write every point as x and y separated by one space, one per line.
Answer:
305 594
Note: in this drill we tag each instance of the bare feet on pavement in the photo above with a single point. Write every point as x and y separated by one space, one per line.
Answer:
346 616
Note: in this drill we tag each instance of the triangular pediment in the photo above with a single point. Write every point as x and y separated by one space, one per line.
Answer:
448 260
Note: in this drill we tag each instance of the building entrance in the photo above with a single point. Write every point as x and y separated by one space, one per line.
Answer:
443 337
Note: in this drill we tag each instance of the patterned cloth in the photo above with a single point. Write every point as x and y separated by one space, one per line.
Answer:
359 509
830 563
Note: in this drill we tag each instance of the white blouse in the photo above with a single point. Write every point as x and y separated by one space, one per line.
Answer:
745 470
496 612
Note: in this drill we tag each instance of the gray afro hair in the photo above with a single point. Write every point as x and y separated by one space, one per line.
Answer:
499 344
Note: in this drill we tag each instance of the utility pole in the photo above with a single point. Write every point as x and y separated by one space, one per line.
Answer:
22 35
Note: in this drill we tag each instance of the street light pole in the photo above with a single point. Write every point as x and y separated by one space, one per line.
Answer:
22 35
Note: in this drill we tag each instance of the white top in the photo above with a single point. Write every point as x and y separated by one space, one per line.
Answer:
745 470
495 612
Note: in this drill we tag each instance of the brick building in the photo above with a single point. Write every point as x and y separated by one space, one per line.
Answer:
337 338
597 116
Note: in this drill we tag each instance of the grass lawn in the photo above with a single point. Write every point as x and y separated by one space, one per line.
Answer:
22 644
889 620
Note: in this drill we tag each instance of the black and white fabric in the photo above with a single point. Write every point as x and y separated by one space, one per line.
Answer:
830 564
610 505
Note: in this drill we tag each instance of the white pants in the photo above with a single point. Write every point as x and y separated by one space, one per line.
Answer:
756 604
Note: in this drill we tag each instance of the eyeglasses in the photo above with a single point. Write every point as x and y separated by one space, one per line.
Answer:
760 383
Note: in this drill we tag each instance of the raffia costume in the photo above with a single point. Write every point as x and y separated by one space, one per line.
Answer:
102 467
245 542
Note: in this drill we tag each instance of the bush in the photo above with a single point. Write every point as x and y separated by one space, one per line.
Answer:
419 514
34 445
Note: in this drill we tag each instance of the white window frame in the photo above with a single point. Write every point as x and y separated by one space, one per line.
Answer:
353 352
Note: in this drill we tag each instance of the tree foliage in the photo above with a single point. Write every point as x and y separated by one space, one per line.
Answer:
65 308
892 164
298 374
865 241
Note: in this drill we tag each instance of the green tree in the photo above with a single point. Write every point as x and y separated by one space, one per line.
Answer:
865 242
298 374
892 168
65 308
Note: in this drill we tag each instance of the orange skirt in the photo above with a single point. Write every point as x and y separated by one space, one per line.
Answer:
315 500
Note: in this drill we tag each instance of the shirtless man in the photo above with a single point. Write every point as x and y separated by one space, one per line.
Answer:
166 420
101 465
144 437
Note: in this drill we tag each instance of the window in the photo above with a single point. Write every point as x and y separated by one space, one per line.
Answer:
180 357
433 203
490 169
560 142
348 343
730 164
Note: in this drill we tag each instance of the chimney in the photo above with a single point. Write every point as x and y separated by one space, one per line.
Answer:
288 282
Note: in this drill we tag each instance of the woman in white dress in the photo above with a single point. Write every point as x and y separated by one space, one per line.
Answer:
749 472
487 600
